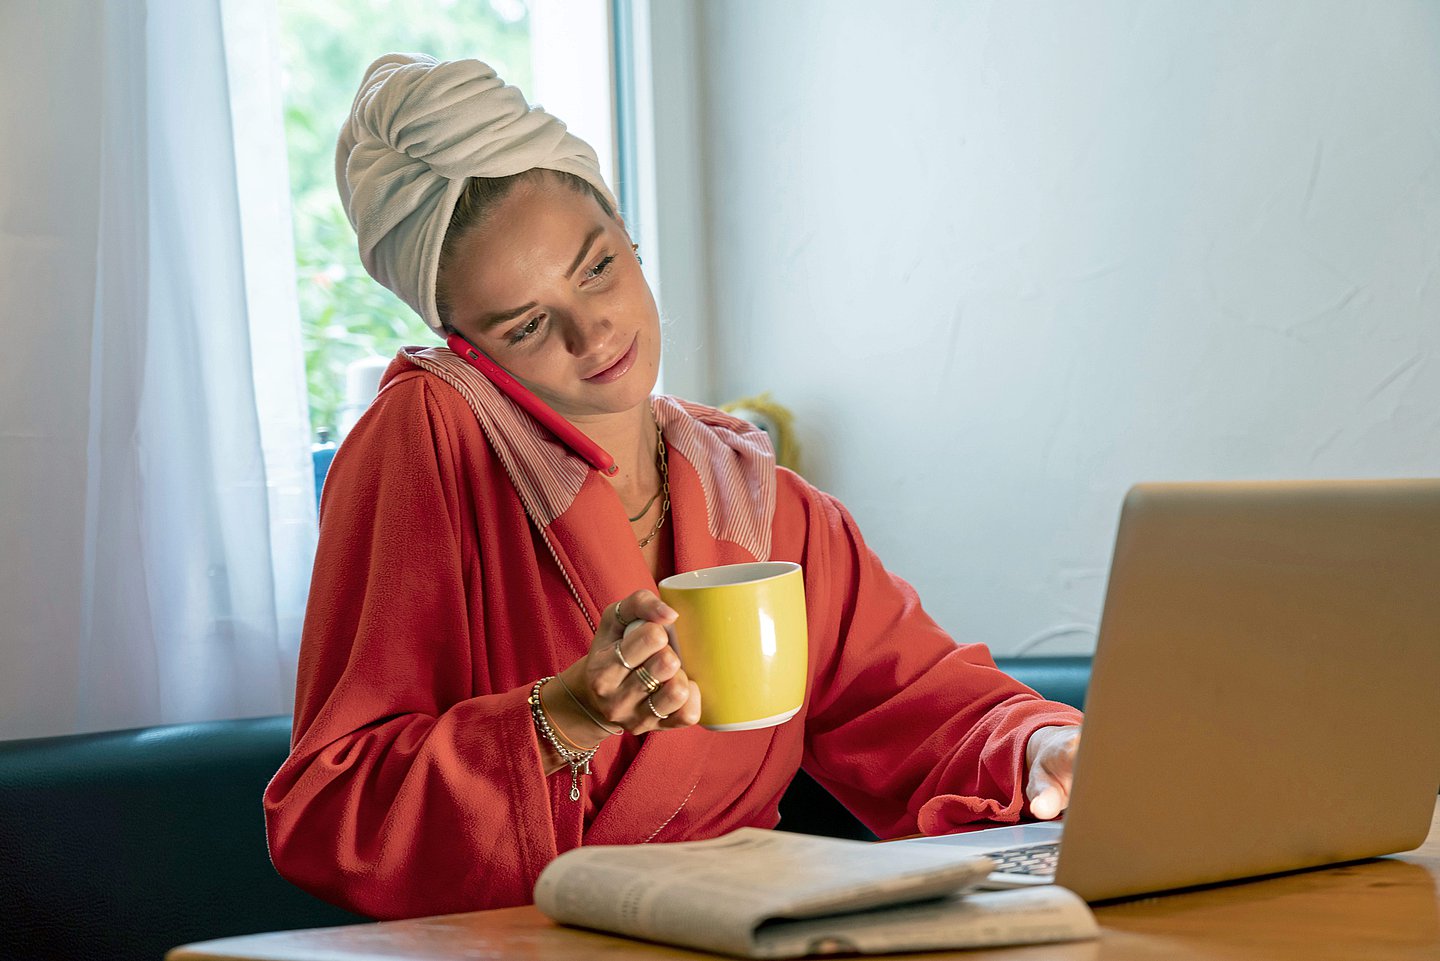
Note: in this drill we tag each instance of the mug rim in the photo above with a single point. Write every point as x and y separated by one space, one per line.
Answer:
692 582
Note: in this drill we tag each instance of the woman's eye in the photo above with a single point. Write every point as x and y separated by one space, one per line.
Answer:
599 269
523 331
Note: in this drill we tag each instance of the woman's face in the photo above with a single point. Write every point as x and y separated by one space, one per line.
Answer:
550 288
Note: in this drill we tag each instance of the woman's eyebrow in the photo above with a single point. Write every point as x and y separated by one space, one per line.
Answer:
585 248
490 320
487 321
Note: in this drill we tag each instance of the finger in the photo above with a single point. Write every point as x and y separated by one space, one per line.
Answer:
639 606
1036 781
1072 750
688 713
641 641
1051 776
651 679
641 685
1059 761
663 664
1070 743
1048 804
678 699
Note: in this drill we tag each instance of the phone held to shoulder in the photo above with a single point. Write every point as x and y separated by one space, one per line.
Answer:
567 432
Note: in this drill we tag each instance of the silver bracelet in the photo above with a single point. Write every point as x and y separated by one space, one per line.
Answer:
579 761
578 703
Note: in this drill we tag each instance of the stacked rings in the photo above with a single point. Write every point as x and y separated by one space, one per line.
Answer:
648 679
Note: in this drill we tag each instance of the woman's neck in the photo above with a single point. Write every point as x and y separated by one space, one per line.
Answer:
630 438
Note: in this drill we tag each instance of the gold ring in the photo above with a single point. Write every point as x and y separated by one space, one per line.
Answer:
647 679
618 619
651 704
628 665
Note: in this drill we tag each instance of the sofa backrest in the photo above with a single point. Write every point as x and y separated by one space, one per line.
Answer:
1062 678
123 844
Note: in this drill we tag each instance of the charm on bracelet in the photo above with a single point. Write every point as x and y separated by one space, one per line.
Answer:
579 761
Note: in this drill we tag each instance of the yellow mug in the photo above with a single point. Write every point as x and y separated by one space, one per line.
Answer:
742 639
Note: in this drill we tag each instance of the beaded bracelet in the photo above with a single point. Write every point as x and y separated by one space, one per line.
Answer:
560 733
579 761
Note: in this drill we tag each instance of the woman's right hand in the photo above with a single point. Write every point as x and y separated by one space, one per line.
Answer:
632 632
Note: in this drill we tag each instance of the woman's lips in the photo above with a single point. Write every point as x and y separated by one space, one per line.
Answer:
618 369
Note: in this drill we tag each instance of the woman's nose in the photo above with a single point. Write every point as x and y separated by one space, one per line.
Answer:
587 333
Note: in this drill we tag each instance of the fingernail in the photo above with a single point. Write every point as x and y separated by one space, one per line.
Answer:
667 611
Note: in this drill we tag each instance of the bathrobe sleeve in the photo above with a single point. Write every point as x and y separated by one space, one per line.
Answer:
405 794
910 731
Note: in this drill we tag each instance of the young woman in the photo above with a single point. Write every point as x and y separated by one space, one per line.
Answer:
484 679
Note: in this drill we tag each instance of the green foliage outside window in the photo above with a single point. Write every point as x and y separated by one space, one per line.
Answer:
326 46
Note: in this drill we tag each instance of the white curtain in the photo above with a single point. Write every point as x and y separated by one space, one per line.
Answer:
156 503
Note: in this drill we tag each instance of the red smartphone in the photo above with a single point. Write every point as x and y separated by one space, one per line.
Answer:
567 432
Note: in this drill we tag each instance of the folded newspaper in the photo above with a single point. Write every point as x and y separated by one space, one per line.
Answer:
772 894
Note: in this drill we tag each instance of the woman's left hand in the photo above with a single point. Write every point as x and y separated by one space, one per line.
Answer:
1050 763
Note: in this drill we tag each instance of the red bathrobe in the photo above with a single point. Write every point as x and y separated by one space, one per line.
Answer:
463 555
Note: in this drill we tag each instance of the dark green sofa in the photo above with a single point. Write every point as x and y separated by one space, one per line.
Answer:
123 844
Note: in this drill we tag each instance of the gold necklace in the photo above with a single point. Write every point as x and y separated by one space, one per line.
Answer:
646 509
664 488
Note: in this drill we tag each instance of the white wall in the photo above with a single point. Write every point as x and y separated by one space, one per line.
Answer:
1005 259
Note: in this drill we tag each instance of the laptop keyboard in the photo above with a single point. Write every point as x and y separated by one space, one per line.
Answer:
1036 859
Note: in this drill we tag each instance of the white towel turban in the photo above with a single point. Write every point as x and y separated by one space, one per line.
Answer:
418 130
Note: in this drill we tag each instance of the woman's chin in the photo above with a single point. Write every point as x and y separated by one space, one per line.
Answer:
610 400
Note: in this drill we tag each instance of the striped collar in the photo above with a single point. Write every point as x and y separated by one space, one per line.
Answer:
733 458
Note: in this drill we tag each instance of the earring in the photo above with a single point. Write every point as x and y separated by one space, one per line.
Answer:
635 249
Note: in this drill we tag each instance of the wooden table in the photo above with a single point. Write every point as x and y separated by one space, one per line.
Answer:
1381 910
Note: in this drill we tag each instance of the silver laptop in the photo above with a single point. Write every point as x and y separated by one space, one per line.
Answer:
1265 694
